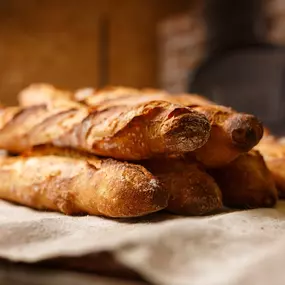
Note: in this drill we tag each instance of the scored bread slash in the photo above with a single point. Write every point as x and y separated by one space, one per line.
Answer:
123 132
232 133
74 183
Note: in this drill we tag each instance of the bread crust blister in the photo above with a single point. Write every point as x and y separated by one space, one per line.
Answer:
66 181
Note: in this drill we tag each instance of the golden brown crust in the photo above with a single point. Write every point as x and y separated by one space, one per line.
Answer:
20 132
73 183
118 96
101 97
139 132
277 169
232 133
266 132
41 93
125 132
271 148
273 151
246 182
192 190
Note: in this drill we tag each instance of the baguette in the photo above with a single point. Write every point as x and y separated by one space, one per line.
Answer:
23 128
134 132
39 94
192 190
246 182
118 96
72 183
232 133
273 150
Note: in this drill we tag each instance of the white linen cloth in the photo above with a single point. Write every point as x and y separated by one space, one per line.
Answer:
233 248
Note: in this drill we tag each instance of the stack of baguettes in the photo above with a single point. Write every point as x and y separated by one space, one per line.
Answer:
122 152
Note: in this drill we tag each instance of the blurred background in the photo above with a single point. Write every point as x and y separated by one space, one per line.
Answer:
231 51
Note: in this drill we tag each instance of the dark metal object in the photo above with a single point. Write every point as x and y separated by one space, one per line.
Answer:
233 24
249 80
241 70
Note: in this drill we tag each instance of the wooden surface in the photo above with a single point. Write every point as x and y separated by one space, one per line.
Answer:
74 44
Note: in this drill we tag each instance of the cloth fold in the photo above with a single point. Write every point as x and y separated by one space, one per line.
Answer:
239 248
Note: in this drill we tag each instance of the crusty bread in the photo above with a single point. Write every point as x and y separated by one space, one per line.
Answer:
273 151
232 133
38 94
271 148
277 168
73 183
246 182
133 132
118 96
192 190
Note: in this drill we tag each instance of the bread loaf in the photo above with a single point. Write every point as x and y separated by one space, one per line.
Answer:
232 133
133 132
273 151
192 190
72 183
246 182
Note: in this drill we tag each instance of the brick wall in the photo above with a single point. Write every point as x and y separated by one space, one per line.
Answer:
275 17
182 41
